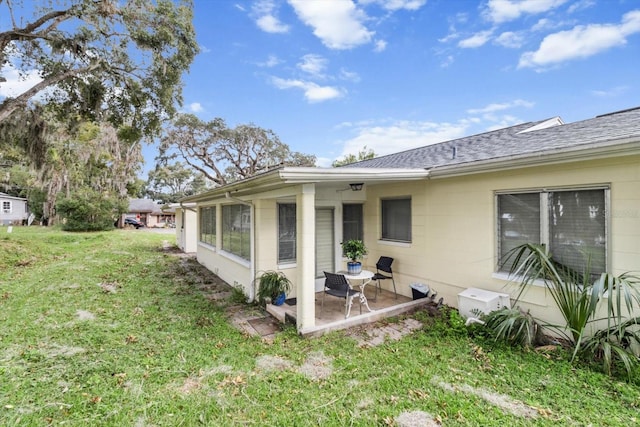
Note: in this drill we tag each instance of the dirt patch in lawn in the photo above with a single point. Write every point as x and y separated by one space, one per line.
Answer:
85 315
268 363
317 366
416 419
504 402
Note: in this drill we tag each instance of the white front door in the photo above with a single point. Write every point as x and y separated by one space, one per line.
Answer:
325 249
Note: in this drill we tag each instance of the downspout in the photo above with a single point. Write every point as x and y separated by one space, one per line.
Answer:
252 263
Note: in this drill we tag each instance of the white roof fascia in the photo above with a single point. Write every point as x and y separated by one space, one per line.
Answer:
300 175
616 148
555 121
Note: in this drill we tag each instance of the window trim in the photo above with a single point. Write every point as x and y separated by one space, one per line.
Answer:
228 250
213 217
9 209
387 239
360 224
545 230
295 234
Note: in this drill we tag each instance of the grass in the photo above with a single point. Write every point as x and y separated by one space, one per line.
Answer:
109 329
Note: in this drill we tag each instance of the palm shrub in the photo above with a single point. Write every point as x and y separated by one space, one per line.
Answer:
513 326
579 298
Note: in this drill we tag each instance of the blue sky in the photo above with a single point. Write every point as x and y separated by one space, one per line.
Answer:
330 77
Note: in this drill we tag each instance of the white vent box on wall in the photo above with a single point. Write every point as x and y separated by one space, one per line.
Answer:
473 299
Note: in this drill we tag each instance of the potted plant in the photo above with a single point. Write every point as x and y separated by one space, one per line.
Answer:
354 249
273 285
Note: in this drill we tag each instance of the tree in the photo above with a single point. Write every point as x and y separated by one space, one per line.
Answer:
90 210
363 154
225 155
121 59
170 182
91 156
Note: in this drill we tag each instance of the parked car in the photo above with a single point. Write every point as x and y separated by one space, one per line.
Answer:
133 222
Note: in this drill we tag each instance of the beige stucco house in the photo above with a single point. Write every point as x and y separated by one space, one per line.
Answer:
446 213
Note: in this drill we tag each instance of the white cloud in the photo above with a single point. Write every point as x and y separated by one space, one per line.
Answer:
394 5
498 11
324 162
351 76
263 12
476 40
312 92
380 45
17 84
492 108
581 5
402 135
313 64
610 93
272 61
447 61
510 39
196 107
337 23
581 42
271 24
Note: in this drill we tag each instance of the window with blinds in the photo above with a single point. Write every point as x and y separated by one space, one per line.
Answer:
286 232
352 222
571 222
396 219
207 225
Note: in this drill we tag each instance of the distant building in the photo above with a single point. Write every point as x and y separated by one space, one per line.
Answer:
13 210
150 213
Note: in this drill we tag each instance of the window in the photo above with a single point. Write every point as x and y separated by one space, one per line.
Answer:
571 222
352 220
6 207
236 230
207 225
396 219
286 232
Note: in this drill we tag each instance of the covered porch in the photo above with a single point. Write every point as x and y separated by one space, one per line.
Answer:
332 316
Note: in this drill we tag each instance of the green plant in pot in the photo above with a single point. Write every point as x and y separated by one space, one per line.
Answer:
354 249
273 285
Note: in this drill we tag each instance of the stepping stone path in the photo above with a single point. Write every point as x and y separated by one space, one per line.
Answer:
372 335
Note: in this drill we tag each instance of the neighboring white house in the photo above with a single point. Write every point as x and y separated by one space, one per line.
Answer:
13 210
447 213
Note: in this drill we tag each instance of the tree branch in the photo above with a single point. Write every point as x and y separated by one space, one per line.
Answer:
9 105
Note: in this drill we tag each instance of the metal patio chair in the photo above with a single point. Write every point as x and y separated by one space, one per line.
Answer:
384 272
338 286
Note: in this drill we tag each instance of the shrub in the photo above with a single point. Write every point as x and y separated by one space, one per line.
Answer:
513 326
89 210
578 297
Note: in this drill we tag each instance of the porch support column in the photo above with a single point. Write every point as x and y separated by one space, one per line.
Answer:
306 256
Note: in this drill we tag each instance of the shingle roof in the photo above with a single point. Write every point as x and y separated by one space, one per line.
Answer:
512 141
144 205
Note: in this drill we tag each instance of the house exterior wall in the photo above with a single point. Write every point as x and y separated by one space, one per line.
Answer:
16 214
186 230
454 240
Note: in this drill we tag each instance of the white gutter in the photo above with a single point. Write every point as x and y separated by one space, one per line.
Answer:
300 175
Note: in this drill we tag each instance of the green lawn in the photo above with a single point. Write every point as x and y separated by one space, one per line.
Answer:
109 329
